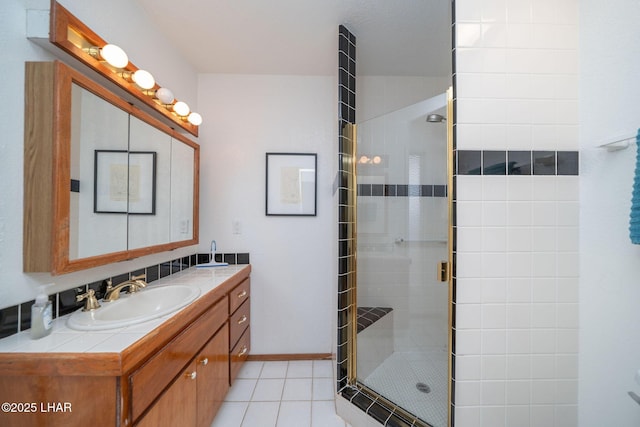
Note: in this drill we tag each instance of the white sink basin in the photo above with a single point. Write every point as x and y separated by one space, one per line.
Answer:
130 309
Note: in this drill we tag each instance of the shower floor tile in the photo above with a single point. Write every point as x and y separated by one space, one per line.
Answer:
396 379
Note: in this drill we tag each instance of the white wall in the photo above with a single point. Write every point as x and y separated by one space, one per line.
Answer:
117 21
293 258
610 271
517 248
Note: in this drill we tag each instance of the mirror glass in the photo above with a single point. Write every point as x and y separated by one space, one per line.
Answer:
182 197
132 185
100 126
149 201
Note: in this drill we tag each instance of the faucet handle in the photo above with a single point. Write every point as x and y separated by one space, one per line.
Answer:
137 283
91 303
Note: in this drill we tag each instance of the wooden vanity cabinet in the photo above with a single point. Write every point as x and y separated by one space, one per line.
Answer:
176 375
239 338
195 395
197 346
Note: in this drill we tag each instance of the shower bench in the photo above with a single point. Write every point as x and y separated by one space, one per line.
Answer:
375 338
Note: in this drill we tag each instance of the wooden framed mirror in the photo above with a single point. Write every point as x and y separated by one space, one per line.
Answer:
69 121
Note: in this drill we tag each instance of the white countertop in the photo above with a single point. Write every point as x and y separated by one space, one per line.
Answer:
65 340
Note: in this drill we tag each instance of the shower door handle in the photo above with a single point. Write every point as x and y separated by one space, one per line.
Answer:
444 271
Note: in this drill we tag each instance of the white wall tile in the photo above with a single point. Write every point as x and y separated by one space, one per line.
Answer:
467 416
543 366
518 416
543 340
542 415
468 342
519 11
468 34
518 393
494 290
494 341
468 316
494 367
494 214
518 366
519 265
518 316
493 316
467 393
518 342
468 290
492 393
492 416
519 290
568 290
494 239
468 368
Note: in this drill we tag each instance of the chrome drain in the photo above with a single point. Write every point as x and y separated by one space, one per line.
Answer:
423 387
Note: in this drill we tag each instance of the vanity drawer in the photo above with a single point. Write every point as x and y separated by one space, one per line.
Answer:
148 381
239 321
239 354
239 294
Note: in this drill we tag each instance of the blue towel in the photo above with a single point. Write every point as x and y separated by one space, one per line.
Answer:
634 217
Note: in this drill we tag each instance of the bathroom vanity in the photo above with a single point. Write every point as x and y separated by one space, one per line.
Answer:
175 370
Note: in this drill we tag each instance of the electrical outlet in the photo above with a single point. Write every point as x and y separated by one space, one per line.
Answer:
235 227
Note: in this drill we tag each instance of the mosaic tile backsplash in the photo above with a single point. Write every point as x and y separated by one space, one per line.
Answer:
18 317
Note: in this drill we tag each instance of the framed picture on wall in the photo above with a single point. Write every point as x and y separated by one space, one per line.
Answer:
124 182
291 184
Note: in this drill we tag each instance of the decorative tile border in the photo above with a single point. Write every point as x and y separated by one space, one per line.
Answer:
18 317
496 162
402 190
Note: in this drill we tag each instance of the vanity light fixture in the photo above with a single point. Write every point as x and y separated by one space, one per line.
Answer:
164 95
181 108
195 119
144 79
112 54
76 39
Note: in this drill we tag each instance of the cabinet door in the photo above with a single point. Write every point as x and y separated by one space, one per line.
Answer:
213 376
177 406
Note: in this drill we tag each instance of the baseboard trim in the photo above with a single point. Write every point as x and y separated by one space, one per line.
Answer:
283 357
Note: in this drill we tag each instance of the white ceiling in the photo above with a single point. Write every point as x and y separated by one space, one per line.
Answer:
394 37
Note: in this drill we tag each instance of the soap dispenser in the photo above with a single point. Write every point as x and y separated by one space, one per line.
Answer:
41 315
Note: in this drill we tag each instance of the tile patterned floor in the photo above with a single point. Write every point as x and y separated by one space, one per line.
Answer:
281 394
397 376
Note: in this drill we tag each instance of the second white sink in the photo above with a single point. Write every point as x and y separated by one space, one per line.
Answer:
147 304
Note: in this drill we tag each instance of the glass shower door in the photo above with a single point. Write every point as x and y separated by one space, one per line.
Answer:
403 229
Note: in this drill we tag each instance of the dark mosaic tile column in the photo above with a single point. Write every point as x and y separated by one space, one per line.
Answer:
346 200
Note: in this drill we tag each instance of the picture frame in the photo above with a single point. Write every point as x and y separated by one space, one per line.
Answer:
291 184
125 182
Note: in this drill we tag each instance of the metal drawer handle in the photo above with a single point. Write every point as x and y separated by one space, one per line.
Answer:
191 375
242 294
242 320
244 350
204 361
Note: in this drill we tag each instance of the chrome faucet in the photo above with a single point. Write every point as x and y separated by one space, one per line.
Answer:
134 284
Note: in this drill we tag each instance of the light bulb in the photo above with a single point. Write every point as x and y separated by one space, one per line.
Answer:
195 119
164 95
377 160
114 55
364 159
144 79
181 108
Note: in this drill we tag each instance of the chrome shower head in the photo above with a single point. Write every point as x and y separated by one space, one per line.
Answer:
435 118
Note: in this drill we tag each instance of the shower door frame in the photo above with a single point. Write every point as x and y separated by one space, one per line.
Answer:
349 387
